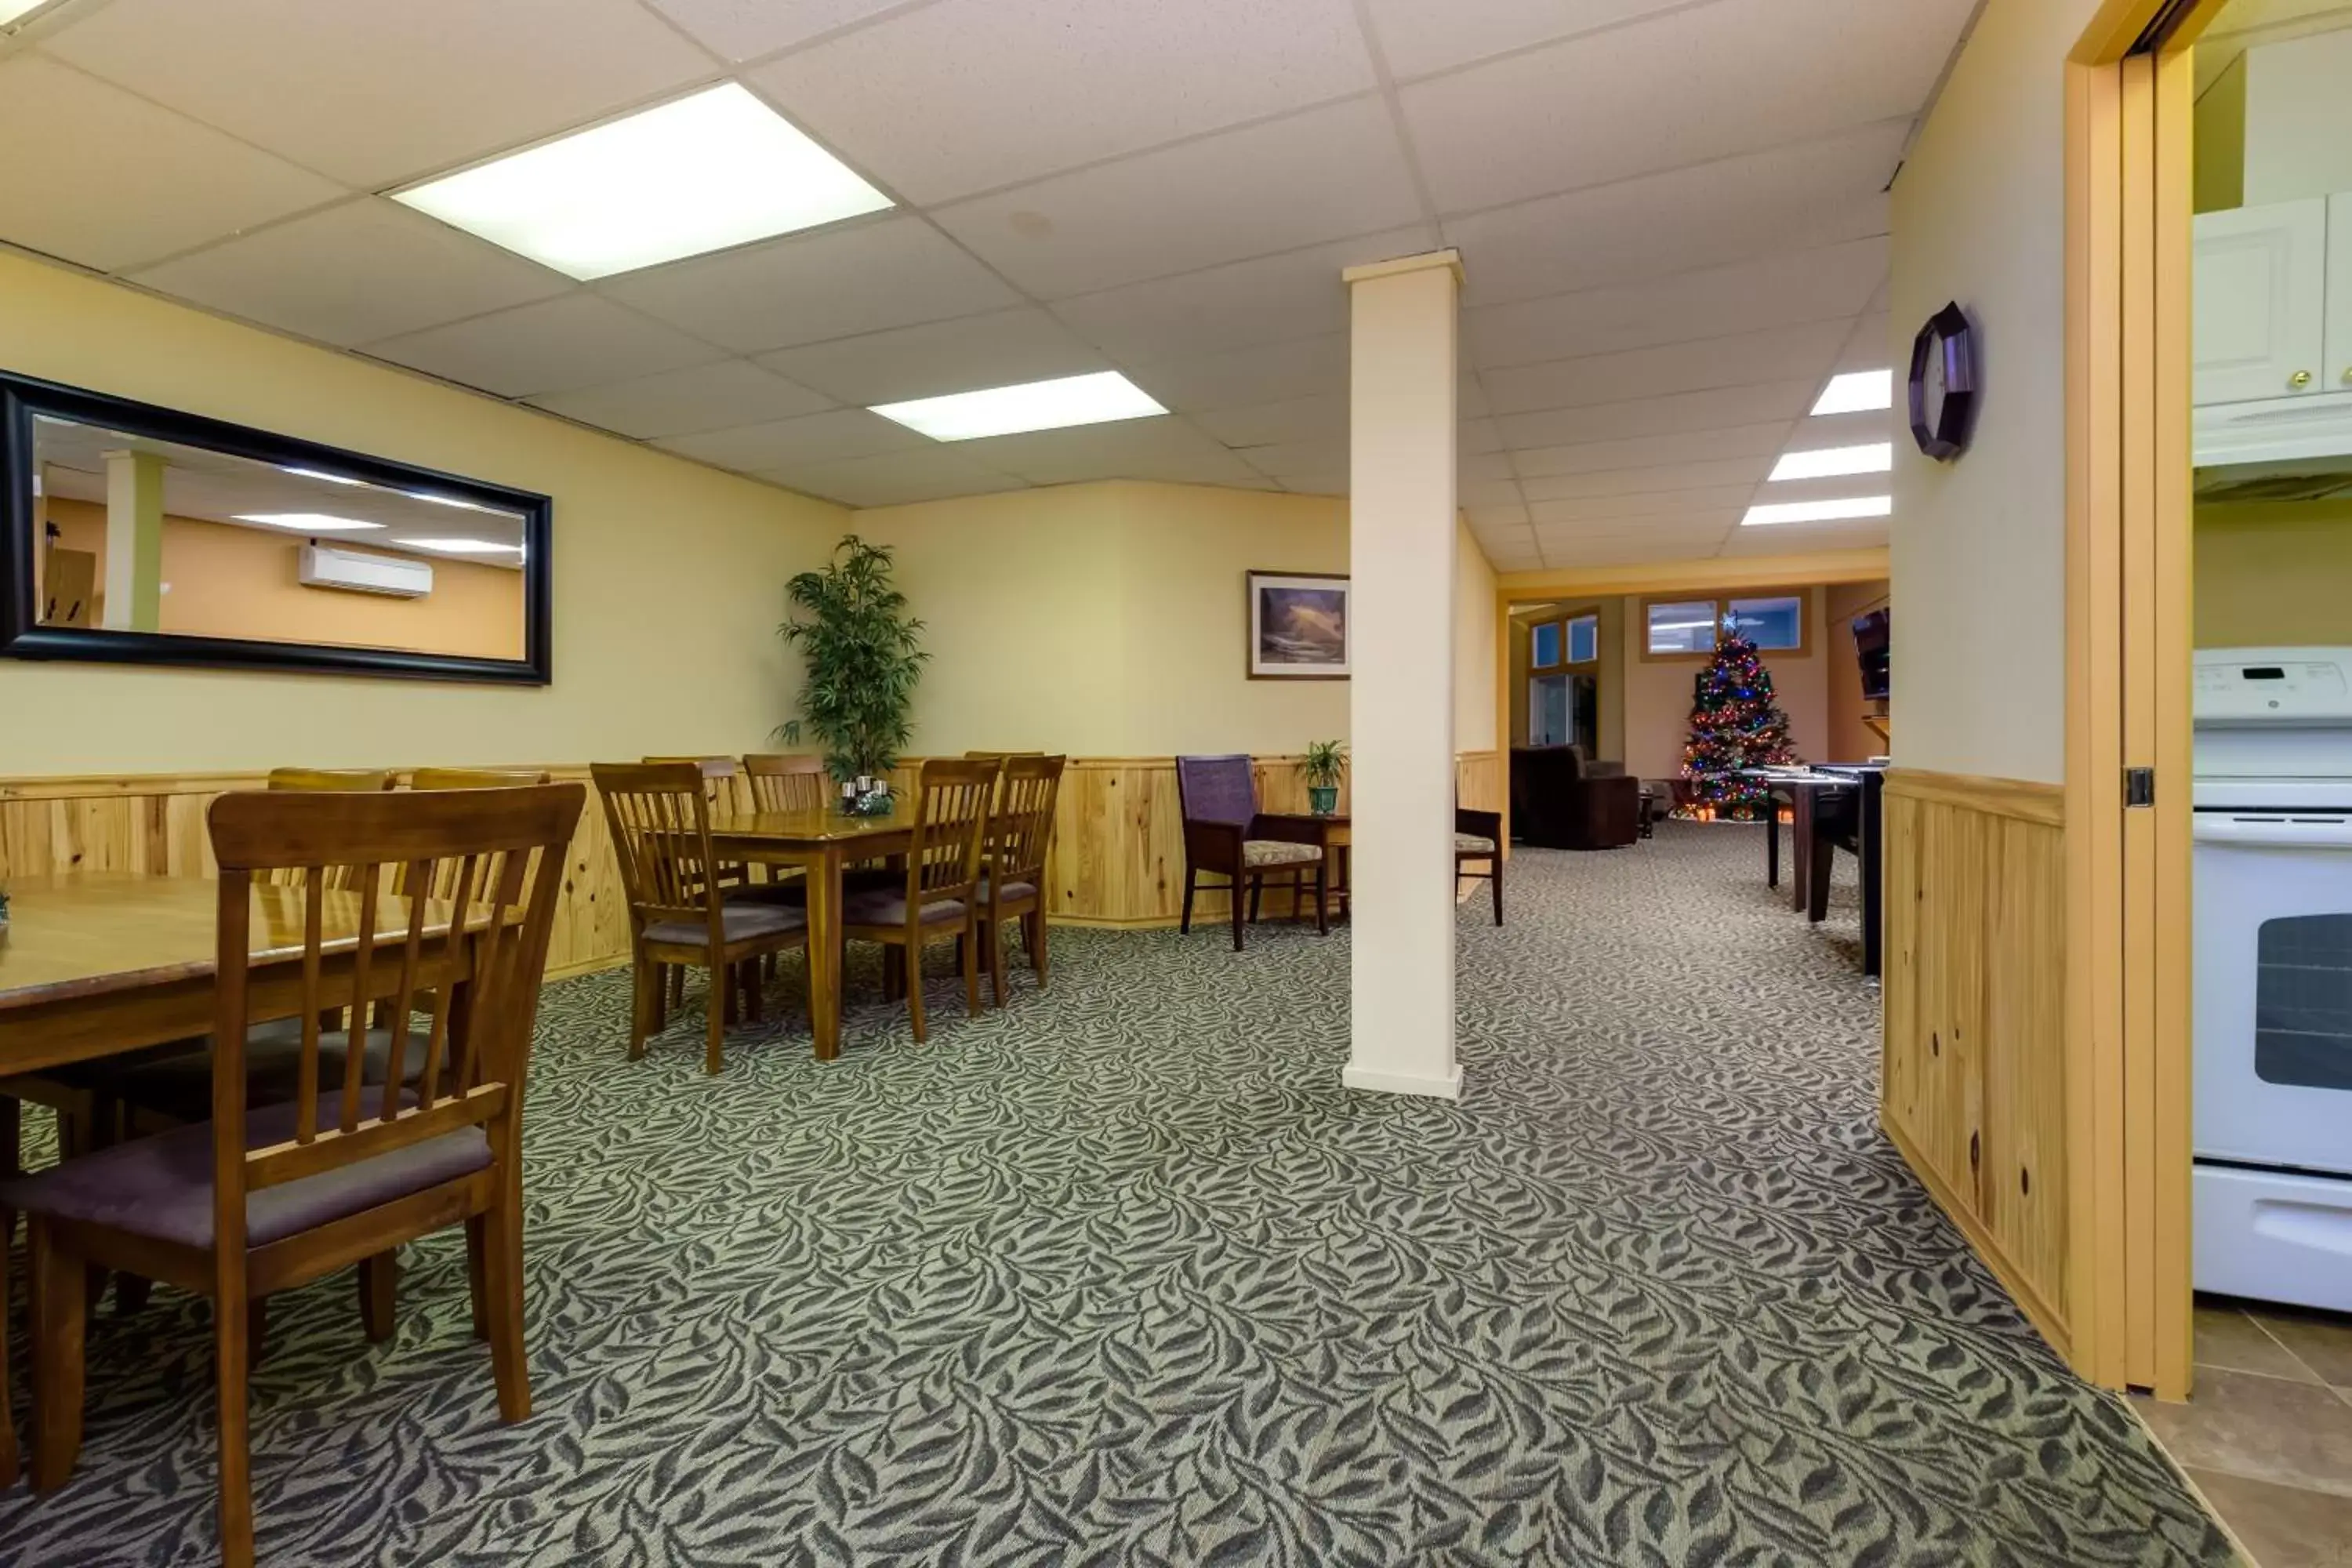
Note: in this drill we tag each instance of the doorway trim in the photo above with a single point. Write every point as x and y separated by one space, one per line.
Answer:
2128 195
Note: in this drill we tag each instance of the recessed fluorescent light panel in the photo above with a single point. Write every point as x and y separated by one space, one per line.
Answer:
461 546
1037 405
322 474
1831 462
307 522
703 173
453 501
1819 510
15 10
1857 392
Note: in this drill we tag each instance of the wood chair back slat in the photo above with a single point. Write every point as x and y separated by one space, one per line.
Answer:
1023 830
951 809
660 820
494 945
782 781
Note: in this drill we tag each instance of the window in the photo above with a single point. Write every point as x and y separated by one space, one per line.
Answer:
1563 680
1584 639
1776 625
1683 626
1572 640
1689 628
1544 652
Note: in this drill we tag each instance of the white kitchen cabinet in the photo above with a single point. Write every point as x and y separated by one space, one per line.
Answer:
2262 277
2335 375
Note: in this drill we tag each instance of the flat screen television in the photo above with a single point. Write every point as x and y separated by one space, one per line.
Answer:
1870 648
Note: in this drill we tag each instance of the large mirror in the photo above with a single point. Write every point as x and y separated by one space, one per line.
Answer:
136 534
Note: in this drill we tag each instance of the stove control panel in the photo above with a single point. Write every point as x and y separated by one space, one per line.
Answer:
2301 687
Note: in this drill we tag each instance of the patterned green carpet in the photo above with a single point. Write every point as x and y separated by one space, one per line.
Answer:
1122 1275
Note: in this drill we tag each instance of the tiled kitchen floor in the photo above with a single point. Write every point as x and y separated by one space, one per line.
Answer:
2267 1435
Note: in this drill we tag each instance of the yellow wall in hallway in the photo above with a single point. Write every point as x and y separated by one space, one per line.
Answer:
1978 545
1110 619
669 576
2274 576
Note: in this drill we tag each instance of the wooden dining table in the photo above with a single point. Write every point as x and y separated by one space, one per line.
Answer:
95 964
820 841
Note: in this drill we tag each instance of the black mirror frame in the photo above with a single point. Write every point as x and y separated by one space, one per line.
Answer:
22 636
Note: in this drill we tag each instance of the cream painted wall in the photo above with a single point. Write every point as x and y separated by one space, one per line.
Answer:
2274 576
1978 546
1110 619
1658 695
669 576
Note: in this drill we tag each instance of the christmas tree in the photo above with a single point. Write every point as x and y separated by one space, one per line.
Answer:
1735 724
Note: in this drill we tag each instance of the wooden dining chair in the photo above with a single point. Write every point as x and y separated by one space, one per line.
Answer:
1013 886
253 1202
363 781
680 916
787 781
476 778
937 898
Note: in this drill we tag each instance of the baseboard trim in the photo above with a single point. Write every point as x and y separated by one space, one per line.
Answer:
2045 1318
1352 1076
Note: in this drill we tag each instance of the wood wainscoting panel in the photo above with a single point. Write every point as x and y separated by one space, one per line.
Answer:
1974 1061
1117 856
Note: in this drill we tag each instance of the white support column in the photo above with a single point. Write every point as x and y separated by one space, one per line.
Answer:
135 541
1401 532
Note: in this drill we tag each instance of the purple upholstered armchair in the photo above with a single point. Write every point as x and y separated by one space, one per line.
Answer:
1225 835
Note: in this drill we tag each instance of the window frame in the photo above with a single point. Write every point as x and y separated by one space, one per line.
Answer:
1723 602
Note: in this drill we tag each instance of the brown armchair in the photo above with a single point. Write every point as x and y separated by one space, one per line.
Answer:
1226 835
1562 800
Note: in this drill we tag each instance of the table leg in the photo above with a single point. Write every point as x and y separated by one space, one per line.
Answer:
1771 838
825 952
1800 846
1873 892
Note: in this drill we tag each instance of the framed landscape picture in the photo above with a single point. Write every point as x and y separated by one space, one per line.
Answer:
1298 625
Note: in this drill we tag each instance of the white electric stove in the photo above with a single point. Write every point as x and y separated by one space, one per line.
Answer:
2273 1043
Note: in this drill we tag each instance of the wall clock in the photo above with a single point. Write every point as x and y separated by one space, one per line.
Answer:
1944 383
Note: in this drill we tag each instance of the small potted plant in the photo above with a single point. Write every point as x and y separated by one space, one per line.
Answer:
862 656
1324 763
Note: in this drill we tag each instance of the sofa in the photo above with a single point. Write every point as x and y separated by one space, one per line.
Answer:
1561 799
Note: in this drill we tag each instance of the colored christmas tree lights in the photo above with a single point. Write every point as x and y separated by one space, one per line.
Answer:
1735 724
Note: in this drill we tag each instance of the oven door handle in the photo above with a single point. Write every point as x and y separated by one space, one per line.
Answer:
2279 831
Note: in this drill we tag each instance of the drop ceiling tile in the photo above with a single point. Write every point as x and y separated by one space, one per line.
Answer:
106 180
1482 466
1267 423
1470 494
727 395
1721 408
805 288
894 479
1478 436
1875 346
1846 487
374 94
1812 194
1834 283
1653 451
1034 86
1269 298
746 30
1300 181
1287 460
1419 38
1706 82
1714 525
1305 367
355 273
1778 353
1003 348
1329 483
811 440
1724 472
1628 553
1655 503
557 345
1845 429
1795 538
1159 447
1496 520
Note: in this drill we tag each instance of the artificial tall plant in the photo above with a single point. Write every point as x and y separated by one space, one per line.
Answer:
851 626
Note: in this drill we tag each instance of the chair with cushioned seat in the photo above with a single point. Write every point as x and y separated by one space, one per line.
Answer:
252 1202
937 898
1011 889
1226 835
680 914
1478 835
